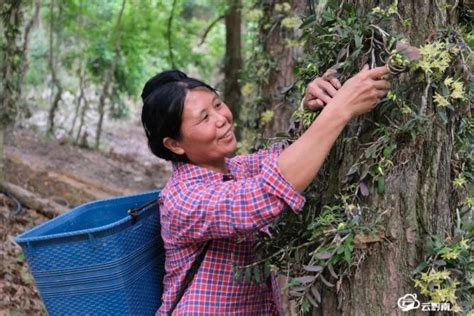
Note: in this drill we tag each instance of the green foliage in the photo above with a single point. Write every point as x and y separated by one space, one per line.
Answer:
447 272
325 242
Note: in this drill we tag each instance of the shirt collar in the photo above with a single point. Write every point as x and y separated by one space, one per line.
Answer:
187 171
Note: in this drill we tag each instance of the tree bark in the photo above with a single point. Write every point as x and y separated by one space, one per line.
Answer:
418 193
26 44
233 57
11 13
274 41
54 77
109 77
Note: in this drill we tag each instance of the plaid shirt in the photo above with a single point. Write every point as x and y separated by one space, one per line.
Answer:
197 205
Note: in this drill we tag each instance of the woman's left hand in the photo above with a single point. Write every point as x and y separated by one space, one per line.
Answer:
321 90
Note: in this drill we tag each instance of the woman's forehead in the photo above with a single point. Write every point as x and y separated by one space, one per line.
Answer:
198 99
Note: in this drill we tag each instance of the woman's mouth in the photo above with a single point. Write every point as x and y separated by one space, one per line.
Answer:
227 135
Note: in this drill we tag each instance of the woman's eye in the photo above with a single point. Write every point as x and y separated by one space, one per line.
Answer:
205 117
218 105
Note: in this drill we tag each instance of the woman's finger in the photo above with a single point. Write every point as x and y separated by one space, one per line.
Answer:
329 75
327 87
335 82
315 104
321 94
382 84
381 93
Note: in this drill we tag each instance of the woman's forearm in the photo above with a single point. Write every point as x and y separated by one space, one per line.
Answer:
301 161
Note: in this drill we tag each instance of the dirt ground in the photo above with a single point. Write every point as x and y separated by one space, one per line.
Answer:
68 175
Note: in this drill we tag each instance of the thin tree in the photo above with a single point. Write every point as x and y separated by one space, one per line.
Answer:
233 56
109 74
52 63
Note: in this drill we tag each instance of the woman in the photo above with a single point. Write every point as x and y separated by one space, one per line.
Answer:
213 206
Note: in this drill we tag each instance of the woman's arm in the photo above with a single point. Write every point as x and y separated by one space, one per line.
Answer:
301 161
199 211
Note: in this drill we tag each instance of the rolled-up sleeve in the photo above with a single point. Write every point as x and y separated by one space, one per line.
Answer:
203 211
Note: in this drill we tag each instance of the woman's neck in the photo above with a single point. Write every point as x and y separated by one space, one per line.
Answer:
216 166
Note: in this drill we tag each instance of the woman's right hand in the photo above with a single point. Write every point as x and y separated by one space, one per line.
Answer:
361 93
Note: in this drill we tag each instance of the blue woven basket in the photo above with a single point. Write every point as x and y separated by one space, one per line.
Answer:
97 259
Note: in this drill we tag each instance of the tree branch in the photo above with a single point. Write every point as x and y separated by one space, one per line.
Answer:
170 45
213 23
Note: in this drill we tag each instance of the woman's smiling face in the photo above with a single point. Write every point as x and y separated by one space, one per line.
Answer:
207 134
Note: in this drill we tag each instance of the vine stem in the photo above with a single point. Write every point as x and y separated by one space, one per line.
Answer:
424 97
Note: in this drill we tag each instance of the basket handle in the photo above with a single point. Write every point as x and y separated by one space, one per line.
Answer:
134 211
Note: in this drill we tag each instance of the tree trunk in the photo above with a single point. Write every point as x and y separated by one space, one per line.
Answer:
12 15
54 77
79 98
108 78
85 108
418 193
26 43
233 57
276 41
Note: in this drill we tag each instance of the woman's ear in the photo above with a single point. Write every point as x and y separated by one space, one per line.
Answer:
173 145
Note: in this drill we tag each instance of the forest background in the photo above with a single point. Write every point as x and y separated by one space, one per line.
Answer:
399 210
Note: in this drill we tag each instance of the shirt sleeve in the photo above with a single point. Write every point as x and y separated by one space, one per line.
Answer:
230 209
254 161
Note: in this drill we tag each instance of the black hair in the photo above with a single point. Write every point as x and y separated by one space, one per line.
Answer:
163 102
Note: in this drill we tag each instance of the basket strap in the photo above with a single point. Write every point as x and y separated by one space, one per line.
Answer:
189 277
133 212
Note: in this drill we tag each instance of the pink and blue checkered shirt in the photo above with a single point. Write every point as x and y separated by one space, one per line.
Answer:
198 205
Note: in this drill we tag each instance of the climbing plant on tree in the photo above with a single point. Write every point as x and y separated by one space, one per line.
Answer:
391 210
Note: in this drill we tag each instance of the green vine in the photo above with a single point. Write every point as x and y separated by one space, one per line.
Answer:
326 243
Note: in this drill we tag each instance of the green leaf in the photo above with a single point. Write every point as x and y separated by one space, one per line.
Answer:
237 274
267 270
347 254
357 40
257 274
420 267
381 184
248 275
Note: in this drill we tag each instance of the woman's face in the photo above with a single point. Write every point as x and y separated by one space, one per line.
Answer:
207 134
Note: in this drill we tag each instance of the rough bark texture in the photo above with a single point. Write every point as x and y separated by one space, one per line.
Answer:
233 57
11 19
284 57
417 195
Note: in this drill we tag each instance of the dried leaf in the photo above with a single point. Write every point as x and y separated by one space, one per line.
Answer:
295 293
324 255
360 240
409 52
363 189
311 299
305 279
331 270
326 282
312 268
316 294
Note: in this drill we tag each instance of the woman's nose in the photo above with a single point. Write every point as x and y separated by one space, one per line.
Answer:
220 120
